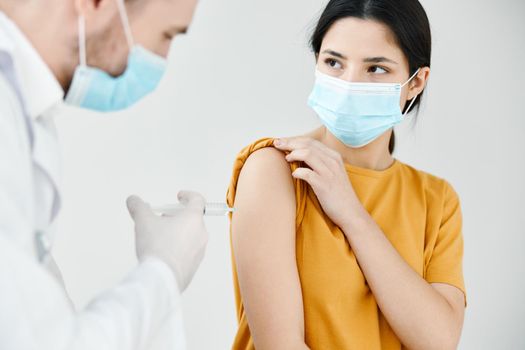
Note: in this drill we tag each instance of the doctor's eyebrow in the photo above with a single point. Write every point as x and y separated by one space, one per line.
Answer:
379 60
178 30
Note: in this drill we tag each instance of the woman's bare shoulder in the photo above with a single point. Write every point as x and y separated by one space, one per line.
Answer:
265 180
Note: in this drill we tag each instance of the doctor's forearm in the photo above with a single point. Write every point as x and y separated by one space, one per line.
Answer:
419 315
127 316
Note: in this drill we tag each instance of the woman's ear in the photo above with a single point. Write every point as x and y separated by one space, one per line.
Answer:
418 84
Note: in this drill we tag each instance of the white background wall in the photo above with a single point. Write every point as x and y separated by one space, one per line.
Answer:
244 72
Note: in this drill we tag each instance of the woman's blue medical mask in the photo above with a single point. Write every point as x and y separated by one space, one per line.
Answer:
93 88
357 113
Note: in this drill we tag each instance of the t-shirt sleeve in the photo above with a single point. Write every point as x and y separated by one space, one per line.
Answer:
446 262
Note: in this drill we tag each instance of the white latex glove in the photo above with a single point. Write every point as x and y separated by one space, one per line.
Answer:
179 240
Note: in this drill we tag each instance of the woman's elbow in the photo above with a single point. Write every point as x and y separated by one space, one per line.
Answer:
447 341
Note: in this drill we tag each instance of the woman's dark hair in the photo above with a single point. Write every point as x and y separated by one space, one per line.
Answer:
407 19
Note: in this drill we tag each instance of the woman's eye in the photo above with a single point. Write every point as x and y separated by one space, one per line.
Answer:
377 70
333 63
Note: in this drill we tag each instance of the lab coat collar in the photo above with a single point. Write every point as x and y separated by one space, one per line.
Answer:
38 86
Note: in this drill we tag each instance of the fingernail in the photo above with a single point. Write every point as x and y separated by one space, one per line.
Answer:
278 142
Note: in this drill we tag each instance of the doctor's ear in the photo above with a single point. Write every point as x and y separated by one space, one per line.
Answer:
83 6
418 84
99 14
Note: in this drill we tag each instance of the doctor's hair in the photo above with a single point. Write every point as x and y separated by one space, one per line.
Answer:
406 19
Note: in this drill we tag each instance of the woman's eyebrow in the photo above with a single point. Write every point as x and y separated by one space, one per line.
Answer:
378 60
335 54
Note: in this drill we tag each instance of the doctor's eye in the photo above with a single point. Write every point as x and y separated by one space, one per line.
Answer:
377 70
333 63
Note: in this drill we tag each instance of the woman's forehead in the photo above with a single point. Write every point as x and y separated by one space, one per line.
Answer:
355 37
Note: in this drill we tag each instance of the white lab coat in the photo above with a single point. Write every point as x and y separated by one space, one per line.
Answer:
142 312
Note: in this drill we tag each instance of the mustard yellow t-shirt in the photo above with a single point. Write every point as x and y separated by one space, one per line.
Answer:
420 215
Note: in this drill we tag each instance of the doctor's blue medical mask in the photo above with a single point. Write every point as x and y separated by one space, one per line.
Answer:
357 113
93 88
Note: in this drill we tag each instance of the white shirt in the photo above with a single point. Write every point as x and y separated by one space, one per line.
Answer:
142 312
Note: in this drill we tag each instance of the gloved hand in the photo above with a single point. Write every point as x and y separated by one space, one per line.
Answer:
179 240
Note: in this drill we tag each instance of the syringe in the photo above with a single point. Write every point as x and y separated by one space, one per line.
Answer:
210 209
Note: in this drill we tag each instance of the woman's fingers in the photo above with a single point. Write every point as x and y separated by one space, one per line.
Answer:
307 150
310 156
326 176
290 144
308 175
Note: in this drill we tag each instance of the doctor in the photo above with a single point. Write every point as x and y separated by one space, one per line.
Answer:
86 52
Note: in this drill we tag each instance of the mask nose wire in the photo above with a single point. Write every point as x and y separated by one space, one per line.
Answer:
125 23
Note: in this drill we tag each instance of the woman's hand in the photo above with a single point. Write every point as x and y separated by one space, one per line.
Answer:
327 176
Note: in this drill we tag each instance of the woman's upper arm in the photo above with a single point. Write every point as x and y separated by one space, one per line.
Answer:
263 239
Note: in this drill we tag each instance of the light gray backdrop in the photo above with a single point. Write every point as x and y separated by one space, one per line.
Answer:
244 72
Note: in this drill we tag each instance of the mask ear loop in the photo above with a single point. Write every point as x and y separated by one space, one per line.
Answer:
125 23
412 77
415 97
82 40
410 105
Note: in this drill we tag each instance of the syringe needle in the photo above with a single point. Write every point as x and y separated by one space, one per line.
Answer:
210 209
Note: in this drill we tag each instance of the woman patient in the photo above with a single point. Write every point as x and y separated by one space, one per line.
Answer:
336 244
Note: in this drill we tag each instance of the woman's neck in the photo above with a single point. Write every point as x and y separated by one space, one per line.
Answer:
373 156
